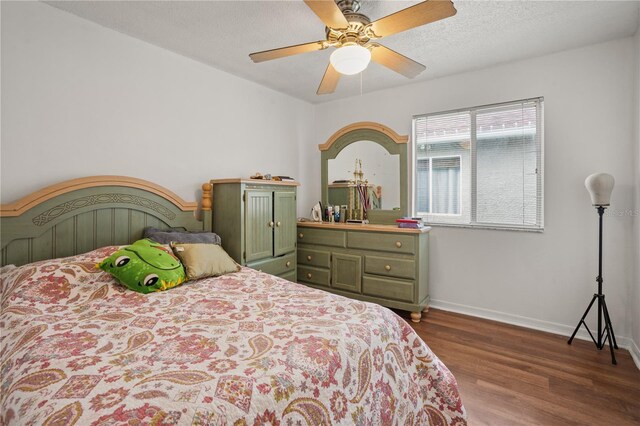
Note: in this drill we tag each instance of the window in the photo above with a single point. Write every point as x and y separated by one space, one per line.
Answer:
439 176
480 166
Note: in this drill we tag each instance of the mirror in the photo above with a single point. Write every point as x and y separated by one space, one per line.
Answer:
381 172
383 155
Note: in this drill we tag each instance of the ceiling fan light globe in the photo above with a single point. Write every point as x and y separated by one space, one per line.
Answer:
350 60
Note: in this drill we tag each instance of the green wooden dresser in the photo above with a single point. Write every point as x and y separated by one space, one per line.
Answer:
257 223
383 264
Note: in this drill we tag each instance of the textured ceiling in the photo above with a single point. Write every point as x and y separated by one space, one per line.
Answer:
481 34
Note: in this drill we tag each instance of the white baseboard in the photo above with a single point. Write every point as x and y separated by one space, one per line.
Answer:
635 353
536 324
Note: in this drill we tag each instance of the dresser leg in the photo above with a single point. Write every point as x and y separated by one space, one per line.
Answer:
415 316
426 309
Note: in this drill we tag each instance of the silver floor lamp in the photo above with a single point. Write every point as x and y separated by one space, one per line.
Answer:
600 186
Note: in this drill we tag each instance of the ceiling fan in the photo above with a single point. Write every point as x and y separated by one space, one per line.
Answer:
354 37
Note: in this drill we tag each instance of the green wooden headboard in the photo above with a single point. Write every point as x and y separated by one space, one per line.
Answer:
83 214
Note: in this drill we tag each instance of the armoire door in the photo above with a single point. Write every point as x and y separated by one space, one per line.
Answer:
284 216
258 232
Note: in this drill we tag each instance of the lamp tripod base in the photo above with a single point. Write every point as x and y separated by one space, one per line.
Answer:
603 335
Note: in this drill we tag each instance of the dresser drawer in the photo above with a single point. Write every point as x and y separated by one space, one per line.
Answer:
401 268
323 237
314 257
396 243
312 275
388 288
277 266
289 276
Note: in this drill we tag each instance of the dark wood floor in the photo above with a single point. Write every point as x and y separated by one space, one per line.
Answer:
510 375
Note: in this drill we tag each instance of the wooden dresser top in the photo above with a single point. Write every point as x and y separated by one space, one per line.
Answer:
363 227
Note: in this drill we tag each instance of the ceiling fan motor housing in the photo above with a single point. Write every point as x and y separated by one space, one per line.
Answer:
354 34
347 6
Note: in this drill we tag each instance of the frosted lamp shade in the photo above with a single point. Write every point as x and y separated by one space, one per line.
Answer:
600 186
350 59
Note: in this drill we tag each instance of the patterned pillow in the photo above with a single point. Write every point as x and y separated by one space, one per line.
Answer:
145 267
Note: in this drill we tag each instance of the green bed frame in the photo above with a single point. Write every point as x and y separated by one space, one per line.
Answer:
83 214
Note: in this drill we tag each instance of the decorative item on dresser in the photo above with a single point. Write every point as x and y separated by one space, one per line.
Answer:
257 223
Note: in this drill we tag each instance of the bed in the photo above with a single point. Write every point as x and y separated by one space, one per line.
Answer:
245 348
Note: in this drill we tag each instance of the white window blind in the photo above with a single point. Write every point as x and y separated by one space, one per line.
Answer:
480 166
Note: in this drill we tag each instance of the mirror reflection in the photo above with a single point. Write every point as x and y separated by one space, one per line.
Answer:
369 162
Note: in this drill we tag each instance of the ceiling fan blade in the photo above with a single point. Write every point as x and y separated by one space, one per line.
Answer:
414 16
395 61
328 12
329 81
268 55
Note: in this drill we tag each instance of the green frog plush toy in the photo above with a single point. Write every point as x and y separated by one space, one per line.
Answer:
145 267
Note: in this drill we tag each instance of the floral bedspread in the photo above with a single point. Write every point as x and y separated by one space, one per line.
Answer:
243 349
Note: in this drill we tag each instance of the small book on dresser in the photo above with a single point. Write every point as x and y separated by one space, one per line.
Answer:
410 222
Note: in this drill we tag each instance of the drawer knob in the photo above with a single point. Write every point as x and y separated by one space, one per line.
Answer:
271 224
398 244
387 267
288 264
300 235
309 258
309 275
278 223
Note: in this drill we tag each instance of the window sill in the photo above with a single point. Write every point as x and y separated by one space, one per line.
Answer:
486 227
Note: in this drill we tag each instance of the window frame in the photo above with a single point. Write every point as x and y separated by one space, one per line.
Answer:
473 223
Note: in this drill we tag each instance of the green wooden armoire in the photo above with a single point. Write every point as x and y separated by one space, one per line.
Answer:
257 223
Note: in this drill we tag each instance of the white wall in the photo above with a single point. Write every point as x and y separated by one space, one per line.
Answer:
635 287
542 280
79 99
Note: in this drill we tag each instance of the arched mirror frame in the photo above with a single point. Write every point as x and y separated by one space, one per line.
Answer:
377 133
